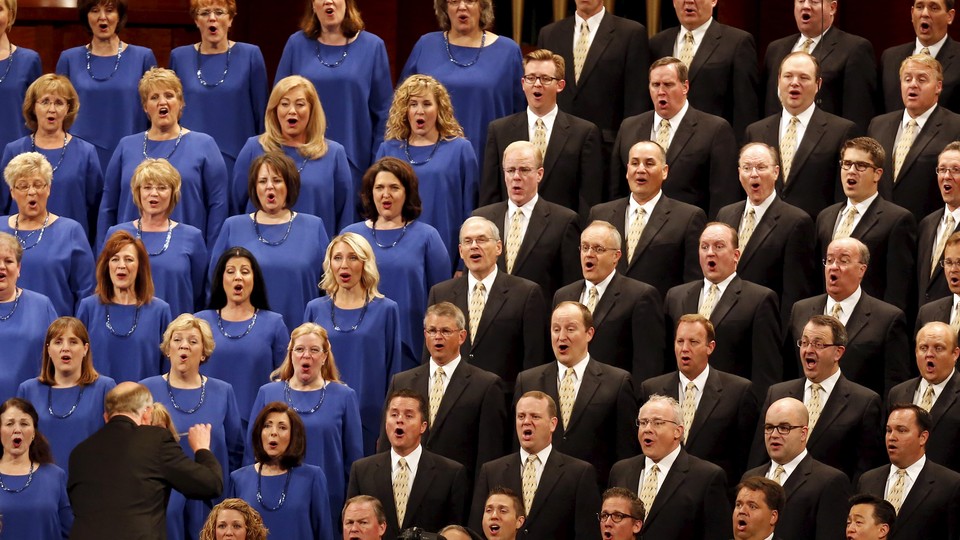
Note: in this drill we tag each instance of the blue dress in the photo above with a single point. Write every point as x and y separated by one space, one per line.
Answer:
448 186
245 360
291 270
77 181
367 357
179 272
481 93
326 189
355 95
334 439
305 514
232 110
22 336
408 270
66 433
60 265
41 511
126 357
24 69
203 187
115 98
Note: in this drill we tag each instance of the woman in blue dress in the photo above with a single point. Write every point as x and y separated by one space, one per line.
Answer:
18 68
106 73
251 340
124 318
24 316
203 190
68 388
57 258
481 70
289 245
292 496
33 491
411 257
296 125
309 383
233 519
192 398
221 75
365 326
177 252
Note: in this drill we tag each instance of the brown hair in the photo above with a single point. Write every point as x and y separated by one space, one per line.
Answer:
62 325
282 165
536 394
870 146
142 286
443 18
543 55
696 318
293 455
351 26
39 448
683 72
84 7
57 85
412 207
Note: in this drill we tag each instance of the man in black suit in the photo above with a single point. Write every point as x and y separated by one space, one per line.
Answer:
914 137
662 251
940 224
720 409
559 492
684 495
417 487
925 495
627 504
877 344
700 147
596 400
870 518
745 315
757 509
627 314
541 237
572 159
930 21
121 476
467 416
813 143
816 506
503 515
506 315
776 239
945 310
847 64
889 232
936 390
722 62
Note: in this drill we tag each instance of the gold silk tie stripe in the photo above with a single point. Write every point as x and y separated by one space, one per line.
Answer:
513 239
580 53
926 403
925 50
663 134
895 496
955 320
710 301
592 298
778 474
530 481
686 50
788 146
903 147
636 230
540 137
837 311
941 242
401 490
807 45
649 490
567 396
477 302
815 406
846 226
746 228
689 408
436 394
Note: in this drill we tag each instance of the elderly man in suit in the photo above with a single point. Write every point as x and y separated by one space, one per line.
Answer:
925 495
660 234
627 314
622 514
933 230
541 237
870 518
816 493
776 239
719 409
946 309
121 476
759 502
684 495
700 147
417 487
572 159
363 518
559 491
808 138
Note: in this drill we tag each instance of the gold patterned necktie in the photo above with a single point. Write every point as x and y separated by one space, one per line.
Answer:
807 45
649 490
903 147
955 320
925 50
436 393
686 50
593 296
895 495
746 227
788 146
814 406
540 137
941 242
689 408
476 309
530 481
567 396
846 226
837 311
926 403
401 489
636 230
778 474
663 134
513 239
710 300
580 53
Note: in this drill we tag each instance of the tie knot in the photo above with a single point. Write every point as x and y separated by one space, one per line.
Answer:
540 123
794 121
584 28
569 373
664 123
532 460
402 463
901 473
440 371
751 211
688 37
691 386
950 220
479 288
925 50
655 468
912 123
815 387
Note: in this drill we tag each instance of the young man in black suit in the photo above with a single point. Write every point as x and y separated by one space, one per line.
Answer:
932 229
759 502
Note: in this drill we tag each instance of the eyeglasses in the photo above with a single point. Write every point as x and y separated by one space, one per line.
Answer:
950 263
599 250
25 187
545 80
480 241
57 103
747 169
161 189
861 166
215 12
445 333
524 171
783 429
469 3
818 345
617 517
841 262
312 351
655 422
954 172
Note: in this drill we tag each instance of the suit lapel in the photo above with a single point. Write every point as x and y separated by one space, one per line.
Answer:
558 139
870 218
495 300
799 476
600 42
658 218
607 301
827 45
539 221
726 302
951 392
811 139
859 318
761 231
675 478
691 299
918 493
709 44
712 392
552 472
383 477
458 383
592 380
929 131
836 403
686 129
426 473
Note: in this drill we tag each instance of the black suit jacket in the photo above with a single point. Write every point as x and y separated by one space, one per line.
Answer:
121 477
667 253
949 58
747 323
916 187
931 509
890 233
942 444
848 71
564 507
512 333
936 311
930 287
878 349
814 181
548 254
849 434
816 506
691 502
724 422
780 253
572 169
702 159
628 325
437 497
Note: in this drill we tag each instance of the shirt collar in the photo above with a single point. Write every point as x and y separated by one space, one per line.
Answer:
579 368
602 286
698 32
848 303
527 208
665 463
761 208
543 455
448 369
412 459
804 116
647 206
913 470
863 205
487 281
921 118
722 285
699 381
934 49
547 118
827 384
677 118
593 21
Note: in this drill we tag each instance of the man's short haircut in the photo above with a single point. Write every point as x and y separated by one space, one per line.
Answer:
839 336
507 492
541 55
923 418
774 154
519 146
536 394
373 501
883 511
773 493
492 230
609 228
953 240
696 318
868 145
683 72
734 236
953 146
673 403
121 401
661 151
862 248
816 63
636 505
585 314
412 394
925 60
448 310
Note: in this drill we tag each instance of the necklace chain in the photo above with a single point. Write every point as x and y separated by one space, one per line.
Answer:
446 43
16 302
72 409
25 486
175 145
395 242
63 150
343 56
406 151
10 58
253 321
166 243
256 228
289 398
173 401
115 66
23 240
333 320
283 494
136 321
225 69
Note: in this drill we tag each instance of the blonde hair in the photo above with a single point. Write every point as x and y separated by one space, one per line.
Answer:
160 417
251 520
12 8
398 123
187 321
57 85
157 78
328 371
369 278
272 138
155 171
26 164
